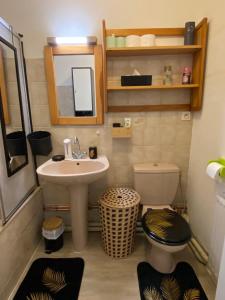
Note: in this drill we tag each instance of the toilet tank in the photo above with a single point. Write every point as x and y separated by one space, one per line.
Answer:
156 183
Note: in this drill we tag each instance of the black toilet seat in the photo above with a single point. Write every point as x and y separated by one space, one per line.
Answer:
166 227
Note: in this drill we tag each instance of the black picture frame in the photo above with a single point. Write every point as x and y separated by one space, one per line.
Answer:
83 113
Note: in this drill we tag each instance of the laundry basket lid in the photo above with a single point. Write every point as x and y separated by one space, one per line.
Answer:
120 198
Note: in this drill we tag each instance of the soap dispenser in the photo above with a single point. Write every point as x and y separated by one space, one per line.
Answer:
68 148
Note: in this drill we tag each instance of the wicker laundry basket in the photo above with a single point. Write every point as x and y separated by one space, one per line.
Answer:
119 211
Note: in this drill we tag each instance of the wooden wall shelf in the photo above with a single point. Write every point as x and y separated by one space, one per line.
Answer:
121 132
198 51
156 50
151 87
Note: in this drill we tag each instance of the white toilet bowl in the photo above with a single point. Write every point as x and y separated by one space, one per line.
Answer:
159 252
161 256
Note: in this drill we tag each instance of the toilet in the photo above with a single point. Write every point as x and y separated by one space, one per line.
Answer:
167 232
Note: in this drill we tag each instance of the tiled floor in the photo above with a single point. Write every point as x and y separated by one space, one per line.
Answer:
111 279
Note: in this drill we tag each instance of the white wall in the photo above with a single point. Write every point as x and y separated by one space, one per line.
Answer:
208 140
39 19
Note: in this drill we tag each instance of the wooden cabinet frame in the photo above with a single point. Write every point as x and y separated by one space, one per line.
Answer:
198 50
56 119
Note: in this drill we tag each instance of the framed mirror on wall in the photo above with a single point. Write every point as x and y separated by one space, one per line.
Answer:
11 111
75 86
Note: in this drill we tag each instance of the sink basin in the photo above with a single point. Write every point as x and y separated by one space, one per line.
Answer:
67 172
76 174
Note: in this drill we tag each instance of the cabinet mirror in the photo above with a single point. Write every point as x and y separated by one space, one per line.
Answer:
74 77
11 111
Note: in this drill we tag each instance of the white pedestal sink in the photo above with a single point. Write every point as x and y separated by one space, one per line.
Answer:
76 174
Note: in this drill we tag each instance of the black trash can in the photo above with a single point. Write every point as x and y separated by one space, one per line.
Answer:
40 142
52 231
16 143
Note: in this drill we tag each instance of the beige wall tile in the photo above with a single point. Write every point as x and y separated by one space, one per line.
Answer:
40 115
12 93
18 241
15 117
152 135
38 91
168 118
35 70
10 68
137 155
175 97
153 119
138 128
152 153
167 135
183 133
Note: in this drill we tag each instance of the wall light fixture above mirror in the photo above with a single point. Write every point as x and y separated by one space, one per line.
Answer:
72 40
75 84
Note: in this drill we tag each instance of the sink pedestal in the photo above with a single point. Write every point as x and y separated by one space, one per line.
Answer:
79 214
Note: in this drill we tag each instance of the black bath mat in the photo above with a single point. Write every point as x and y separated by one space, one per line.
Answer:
181 284
52 279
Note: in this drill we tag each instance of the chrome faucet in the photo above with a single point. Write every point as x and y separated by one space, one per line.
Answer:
77 154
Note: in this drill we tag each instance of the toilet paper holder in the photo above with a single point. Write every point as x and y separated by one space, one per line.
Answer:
217 168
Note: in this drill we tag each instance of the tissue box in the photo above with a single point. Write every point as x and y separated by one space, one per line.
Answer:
136 80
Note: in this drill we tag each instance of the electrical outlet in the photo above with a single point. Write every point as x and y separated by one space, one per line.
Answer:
186 116
127 122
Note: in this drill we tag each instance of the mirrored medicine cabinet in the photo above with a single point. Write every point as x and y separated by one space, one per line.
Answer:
74 78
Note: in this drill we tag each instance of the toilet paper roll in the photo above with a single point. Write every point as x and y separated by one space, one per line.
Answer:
213 170
148 40
133 41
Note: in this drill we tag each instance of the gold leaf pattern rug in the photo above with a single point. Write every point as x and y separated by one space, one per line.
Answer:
52 279
181 284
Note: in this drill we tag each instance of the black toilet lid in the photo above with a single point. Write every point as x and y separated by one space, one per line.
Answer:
166 227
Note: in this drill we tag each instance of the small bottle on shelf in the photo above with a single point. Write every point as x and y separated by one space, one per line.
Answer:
167 78
186 77
189 33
